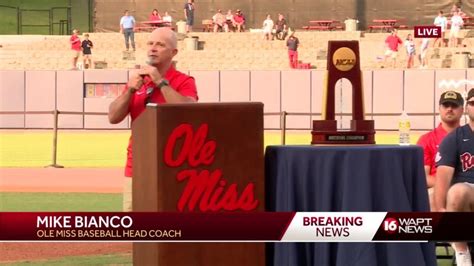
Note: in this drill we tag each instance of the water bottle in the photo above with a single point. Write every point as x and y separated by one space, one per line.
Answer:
404 129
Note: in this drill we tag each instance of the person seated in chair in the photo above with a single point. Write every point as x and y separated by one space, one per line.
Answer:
155 16
229 20
281 28
239 20
219 21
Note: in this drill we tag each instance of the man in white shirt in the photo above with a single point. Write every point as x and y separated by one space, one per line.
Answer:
456 24
441 21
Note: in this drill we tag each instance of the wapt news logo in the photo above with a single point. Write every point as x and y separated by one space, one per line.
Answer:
408 225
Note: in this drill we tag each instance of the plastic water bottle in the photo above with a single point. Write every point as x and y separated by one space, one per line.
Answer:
404 129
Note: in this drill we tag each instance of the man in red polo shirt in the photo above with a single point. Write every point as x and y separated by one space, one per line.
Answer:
450 111
157 82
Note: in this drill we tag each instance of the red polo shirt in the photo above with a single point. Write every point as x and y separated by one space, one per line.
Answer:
75 43
392 42
180 82
430 143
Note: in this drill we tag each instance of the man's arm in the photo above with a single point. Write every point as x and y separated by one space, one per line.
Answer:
172 96
430 180
444 175
118 109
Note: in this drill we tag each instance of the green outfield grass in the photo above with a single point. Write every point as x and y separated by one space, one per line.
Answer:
30 15
103 149
27 202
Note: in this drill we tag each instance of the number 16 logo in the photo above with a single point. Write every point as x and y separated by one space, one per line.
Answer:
390 225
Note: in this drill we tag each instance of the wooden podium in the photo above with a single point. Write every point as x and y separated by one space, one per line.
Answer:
172 141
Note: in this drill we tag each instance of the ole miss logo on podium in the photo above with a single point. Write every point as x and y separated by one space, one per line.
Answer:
427 32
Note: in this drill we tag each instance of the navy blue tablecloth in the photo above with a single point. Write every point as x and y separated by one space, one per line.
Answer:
347 178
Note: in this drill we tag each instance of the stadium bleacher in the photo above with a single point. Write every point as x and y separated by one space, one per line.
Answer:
218 51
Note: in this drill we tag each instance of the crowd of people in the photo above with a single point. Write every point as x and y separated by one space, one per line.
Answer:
393 41
228 22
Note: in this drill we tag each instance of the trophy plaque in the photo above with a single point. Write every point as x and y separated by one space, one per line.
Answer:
343 62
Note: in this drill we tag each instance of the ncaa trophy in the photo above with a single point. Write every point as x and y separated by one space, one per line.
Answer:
343 62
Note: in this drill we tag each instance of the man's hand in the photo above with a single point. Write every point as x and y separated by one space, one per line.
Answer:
152 72
135 81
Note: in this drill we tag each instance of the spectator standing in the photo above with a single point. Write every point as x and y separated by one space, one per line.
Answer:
75 47
423 52
292 43
411 50
127 24
268 28
189 15
392 43
441 21
456 24
87 45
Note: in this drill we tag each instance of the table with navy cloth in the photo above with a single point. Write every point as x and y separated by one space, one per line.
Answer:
364 178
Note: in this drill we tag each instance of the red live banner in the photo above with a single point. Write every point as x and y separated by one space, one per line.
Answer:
429 31
241 226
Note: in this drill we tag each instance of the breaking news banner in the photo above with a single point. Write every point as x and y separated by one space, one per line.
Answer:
237 227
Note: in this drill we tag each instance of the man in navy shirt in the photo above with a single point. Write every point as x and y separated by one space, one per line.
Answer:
454 187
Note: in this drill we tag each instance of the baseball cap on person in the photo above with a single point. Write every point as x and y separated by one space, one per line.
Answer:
451 97
470 94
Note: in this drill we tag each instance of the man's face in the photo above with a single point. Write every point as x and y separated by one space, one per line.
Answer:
160 50
470 108
450 113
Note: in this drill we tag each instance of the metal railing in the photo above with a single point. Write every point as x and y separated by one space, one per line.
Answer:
283 119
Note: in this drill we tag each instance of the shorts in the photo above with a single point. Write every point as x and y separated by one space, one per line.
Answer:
391 53
423 54
75 53
190 20
454 33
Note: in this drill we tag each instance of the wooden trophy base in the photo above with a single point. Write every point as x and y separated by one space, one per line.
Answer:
325 132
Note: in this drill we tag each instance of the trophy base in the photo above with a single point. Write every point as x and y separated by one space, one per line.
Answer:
342 137
325 132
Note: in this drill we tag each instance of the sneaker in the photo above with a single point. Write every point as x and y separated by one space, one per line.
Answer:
463 259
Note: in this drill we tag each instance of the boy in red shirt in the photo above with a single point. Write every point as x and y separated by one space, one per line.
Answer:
392 43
